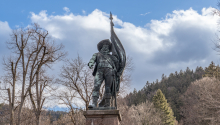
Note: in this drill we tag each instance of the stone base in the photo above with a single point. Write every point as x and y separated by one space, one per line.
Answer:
102 117
103 108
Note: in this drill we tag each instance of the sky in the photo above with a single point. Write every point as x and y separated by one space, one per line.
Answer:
160 36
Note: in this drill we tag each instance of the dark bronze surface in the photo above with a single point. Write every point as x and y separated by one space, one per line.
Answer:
108 68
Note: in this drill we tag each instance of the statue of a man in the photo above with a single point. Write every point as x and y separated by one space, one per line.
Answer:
105 70
108 68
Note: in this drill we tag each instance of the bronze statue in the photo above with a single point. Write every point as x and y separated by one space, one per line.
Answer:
108 68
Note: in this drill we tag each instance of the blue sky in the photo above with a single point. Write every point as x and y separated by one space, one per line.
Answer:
161 36
17 12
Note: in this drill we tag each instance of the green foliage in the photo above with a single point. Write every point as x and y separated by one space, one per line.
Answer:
212 71
1 104
160 103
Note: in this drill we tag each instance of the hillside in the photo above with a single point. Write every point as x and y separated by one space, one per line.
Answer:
172 86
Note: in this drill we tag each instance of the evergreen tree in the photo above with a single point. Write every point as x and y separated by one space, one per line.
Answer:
212 71
1 104
160 103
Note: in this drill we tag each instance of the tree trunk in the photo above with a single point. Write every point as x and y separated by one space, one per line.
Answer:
12 117
19 113
11 107
38 118
23 83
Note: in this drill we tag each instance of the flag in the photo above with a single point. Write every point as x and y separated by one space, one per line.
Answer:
118 50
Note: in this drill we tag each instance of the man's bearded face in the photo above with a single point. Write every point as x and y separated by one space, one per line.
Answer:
105 49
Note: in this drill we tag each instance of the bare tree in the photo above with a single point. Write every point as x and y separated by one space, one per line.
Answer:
33 51
17 44
77 78
201 102
190 108
65 119
4 114
126 77
11 90
45 53
217 41
142 114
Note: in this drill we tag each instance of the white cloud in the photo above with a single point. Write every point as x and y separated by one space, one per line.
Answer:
4 28
145 14
83 11
182 39
5 32
66 9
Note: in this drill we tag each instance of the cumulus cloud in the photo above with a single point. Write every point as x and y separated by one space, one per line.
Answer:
5 32
66 9
183 39
185 35
4 29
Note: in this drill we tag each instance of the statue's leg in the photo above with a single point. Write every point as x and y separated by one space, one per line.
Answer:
97 83
108 76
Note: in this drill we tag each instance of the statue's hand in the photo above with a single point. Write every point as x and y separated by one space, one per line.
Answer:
90 65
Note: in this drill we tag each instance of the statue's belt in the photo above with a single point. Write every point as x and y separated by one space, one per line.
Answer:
102 65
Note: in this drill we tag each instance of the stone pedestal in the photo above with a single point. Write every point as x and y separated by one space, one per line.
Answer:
102 117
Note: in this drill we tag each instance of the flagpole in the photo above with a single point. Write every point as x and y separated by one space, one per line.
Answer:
113 51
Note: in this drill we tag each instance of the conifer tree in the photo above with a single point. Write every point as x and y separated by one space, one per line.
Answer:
212 71
161 104
1 104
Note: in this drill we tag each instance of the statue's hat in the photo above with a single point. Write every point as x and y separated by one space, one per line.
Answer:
104 42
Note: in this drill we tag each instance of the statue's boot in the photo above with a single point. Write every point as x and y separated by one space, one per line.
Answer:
102 103
106 101
106 98
94 102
